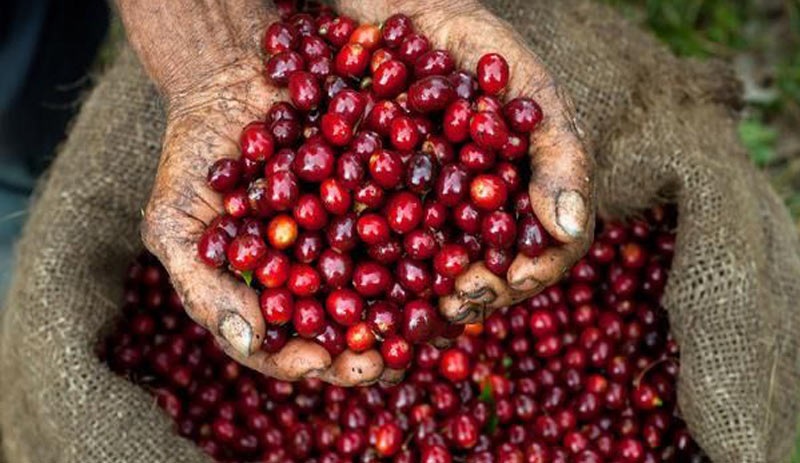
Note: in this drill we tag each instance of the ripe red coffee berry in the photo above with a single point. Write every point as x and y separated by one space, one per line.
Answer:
277 305
351 61
373 229
492 72
389 79
304 90
308 318
455 124
403 133
488 130
452 260
224 175
396 352
336 130
256 142
488 192
245 252
212 246
282 231
310 213
395 29
314 162
280 37
280 66
303 280
455 365
344 306
404 212
431 94
273 270
522 114
359 337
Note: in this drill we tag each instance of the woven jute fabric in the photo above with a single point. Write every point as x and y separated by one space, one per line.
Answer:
662 129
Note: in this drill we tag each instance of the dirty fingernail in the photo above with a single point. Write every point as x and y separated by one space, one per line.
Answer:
571 213
234 329
483 294
468 313
525 284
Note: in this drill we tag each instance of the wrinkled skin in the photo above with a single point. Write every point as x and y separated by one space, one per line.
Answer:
205 58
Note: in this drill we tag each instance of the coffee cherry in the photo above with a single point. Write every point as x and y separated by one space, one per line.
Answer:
389 79
395 29
488 130
351 61
488 192
282 232
522 114
454 365
308 318
212 245
421 321
273 270
451 260
404 212
224 175
304 90
303 280
314 162
336 130
245 252
280 37
396 352
492 73
310 213
373 229
277 306
433 93
344 306
281 65
360 337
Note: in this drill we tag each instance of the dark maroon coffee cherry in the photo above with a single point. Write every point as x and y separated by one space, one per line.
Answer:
431 94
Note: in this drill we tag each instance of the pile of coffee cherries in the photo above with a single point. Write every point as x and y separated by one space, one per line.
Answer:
584 372
356 204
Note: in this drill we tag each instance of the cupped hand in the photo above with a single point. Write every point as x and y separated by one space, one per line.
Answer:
562 185
205 58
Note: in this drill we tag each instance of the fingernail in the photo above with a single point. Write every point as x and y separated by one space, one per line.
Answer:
571 213
234 329
525 284
468 313
483 294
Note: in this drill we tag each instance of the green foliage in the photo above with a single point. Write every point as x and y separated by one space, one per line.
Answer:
759 139
694 27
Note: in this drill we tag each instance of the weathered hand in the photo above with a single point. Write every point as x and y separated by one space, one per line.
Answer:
562 187
205 58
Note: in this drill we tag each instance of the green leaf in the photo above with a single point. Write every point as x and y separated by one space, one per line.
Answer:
248 277
487 394
491 425
759 140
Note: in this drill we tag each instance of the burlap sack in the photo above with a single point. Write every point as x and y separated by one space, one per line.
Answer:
662 129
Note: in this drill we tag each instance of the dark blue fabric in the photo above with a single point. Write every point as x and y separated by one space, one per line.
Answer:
46 49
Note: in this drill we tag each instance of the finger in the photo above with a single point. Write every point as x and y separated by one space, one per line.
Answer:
531 275
391 376
562 183
173 222
354 369
443 343
478 292
298 359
